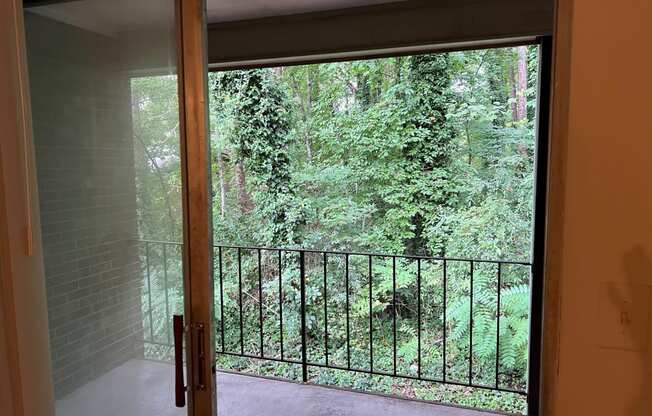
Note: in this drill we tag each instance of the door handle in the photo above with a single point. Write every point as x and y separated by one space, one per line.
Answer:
201 356
179 384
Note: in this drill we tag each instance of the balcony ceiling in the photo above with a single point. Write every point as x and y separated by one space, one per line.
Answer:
233 10
116 16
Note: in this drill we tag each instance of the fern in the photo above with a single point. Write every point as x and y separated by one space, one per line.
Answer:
514 322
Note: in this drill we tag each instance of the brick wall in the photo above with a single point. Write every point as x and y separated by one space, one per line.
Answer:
85 172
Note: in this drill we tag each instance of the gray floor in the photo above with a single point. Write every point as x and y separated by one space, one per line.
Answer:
145 388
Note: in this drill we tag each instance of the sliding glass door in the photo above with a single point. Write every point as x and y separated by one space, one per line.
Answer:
118 132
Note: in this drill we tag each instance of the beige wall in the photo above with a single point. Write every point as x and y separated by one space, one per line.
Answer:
607 212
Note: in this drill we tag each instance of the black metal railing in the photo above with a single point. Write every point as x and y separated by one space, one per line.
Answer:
285 271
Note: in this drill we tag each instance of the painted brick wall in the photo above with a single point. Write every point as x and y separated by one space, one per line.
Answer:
85 172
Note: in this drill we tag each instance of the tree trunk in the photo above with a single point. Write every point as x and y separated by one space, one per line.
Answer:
164 189
521 94
221 166
518 85
513 92
245 202
363 94
307 116
305 106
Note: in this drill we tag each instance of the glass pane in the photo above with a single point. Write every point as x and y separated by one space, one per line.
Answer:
106 129
373 227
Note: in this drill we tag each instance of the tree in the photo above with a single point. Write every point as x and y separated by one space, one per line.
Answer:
429 151
260 140
519 83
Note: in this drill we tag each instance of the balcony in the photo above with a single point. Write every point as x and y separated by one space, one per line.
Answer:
140 387
369 322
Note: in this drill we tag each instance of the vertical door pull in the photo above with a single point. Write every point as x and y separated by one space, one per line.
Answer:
201 356
179 387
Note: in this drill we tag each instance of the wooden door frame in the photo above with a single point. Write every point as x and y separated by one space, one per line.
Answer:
194 144
23 318
554 239
543 320
25 364
197 216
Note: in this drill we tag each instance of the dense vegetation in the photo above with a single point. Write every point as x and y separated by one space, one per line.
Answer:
428 155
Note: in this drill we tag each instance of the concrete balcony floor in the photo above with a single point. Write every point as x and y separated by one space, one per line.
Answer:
146 388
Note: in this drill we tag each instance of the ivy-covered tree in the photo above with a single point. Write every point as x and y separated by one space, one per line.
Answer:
260 141
429 151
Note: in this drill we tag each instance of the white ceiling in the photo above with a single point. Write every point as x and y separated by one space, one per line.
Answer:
232 10
110 17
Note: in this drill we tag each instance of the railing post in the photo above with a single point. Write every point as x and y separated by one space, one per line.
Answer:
166 291
304 352
149 293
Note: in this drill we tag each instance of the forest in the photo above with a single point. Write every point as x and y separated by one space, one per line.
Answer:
426 155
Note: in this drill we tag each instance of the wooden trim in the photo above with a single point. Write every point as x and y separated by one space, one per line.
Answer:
25 111
8 330
556 191
195 157
540 225
393 25
22 286
184 202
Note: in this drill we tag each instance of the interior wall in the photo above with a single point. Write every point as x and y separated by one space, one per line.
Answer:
605 221
81 110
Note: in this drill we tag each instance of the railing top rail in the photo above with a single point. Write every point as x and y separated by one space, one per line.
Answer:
355 253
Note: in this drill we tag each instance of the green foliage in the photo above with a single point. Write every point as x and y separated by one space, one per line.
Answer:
156 141
259 135
409 155
429 151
